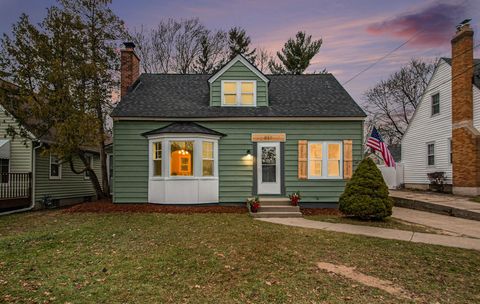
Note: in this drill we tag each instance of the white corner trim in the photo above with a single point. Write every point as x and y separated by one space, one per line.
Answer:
240 58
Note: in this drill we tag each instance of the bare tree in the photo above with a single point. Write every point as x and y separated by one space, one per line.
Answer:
391 103
213 52
188 45
262 59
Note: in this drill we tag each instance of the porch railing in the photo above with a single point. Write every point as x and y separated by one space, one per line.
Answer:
15 185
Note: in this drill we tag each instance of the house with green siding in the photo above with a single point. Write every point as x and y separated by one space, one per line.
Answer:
29 173
222 138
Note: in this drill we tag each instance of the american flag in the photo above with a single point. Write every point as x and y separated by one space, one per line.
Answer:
376 143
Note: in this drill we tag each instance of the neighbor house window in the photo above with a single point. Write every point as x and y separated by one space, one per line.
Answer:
181 158
4 169
86 174
435 104
157 159
207 158
450 150
238 93
324 160
55 167
431 154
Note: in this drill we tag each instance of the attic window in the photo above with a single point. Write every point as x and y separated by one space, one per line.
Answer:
239 93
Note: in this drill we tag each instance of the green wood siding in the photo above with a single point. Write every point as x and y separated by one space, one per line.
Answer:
235 174
71 185
20 150
238 71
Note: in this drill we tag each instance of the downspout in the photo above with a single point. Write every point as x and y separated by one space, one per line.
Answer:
32 203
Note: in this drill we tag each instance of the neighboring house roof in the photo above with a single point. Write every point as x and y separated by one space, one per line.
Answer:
476 72
188 96
183 127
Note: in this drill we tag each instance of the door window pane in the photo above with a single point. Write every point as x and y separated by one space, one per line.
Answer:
181 158
333 160
269 165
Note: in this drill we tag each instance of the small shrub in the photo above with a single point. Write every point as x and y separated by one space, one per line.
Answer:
437 181
366 194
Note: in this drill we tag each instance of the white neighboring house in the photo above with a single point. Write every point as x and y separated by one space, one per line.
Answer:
427 143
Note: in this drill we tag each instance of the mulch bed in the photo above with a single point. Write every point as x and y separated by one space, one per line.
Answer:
320 211
106 206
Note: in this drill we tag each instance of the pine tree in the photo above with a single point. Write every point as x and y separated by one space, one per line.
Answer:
296 55
366 194
239 43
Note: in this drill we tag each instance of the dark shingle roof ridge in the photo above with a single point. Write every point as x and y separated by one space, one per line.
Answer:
184 127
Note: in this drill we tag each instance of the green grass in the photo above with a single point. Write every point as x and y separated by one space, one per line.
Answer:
54 257
475 199
390 223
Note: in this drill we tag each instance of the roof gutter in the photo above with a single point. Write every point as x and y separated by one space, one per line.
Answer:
340 118
32 203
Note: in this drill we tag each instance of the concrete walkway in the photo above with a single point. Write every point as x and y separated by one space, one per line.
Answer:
392 234
459 206
449 224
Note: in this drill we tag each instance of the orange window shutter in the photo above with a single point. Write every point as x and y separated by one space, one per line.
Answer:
302 159
347 159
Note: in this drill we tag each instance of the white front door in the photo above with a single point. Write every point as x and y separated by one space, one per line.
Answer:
268 168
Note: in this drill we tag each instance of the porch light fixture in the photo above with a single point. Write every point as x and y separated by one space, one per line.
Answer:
249 153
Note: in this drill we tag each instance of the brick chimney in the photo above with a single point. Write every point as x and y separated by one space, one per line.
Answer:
129 67
465 137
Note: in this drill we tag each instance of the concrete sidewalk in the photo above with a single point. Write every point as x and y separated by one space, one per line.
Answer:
392 234
449 224
447 204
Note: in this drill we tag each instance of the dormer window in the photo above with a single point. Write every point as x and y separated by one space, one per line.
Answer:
239 93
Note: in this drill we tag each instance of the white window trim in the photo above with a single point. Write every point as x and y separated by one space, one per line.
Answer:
325 160
431 104
239 93
90 157
50 169
434 158
197 156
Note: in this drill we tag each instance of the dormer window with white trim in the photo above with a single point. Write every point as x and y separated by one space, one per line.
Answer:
240 93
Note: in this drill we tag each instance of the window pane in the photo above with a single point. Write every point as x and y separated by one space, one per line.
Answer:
247 99
207 149
207 167
316 151
4 170
54 170
157 150
230 87
431 160
333 168
157 167
333 151
316 168
247 87
181 158
230 99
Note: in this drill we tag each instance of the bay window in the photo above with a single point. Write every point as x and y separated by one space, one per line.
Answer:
181 158
325 160
238 93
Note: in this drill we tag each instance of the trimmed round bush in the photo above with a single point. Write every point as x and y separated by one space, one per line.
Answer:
366 194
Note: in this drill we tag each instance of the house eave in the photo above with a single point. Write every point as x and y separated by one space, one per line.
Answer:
286 118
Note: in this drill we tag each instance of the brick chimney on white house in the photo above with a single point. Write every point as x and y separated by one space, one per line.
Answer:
465 137
129 67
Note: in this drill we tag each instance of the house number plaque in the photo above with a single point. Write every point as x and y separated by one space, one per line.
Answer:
269 137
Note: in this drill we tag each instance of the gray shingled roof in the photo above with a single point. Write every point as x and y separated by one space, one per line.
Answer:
184 127
476 72
187 96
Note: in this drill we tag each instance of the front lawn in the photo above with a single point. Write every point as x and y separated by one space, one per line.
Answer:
61 257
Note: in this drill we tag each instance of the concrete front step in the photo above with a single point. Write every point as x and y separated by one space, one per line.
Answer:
278 208
276 214
274 201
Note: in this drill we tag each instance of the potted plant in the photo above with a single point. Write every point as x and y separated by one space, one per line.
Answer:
295 198
253 204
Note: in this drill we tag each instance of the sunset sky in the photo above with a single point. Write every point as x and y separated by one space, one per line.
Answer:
355 33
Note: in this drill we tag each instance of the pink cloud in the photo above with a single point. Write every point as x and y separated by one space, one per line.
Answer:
435 24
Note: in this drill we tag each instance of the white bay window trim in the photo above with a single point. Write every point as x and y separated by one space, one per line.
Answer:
325 160
197 156
238 95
